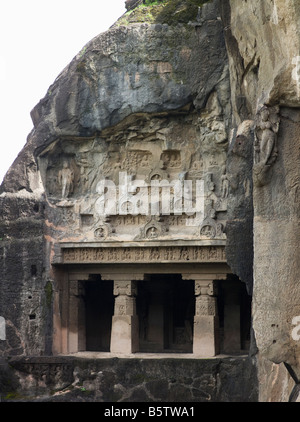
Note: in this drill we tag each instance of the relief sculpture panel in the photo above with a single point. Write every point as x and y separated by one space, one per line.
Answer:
151 184
214 254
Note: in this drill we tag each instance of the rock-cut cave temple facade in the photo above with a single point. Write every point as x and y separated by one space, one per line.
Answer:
154 207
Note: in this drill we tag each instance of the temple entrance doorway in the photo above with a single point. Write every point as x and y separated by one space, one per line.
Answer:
166 308
99 309
197 309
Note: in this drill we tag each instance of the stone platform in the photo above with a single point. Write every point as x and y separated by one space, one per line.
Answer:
101 377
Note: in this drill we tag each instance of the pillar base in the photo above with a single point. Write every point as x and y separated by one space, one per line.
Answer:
124 334
206 336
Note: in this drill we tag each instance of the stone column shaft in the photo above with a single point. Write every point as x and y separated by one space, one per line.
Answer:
73 317
76 315
125 328
206 321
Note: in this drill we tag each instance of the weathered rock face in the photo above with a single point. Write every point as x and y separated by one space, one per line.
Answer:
264 71
124 71
129 380
168 99
263 32
149 99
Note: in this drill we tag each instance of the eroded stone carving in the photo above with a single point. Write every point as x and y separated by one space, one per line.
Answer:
150 152
153 229
143 254
267 126
225 184
103 229
125 288
265 145
171 159
65 179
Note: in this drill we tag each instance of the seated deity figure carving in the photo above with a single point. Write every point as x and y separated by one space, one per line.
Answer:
65 179
152 233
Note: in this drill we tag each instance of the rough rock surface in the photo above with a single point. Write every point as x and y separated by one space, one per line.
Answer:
147 68
72 379
264 71
155 69
140 72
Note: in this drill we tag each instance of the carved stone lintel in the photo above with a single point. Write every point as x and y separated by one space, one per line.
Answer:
118 255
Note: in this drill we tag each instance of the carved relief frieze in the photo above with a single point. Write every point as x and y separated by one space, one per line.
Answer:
157 174
135 159
160 153
128 220
103 229
143 254
102 232
68 215
171 159
153 229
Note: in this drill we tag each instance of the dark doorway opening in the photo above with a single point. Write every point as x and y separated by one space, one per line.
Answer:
234 309
166 308
99 308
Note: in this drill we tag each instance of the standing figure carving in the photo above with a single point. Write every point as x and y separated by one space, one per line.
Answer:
266 129
65 179
225 183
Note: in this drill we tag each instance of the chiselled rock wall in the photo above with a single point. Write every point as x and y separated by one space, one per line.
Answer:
263 44
215 94
149 99
69 379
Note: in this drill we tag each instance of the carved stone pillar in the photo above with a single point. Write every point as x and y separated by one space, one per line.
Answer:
125 327
76 317
206 321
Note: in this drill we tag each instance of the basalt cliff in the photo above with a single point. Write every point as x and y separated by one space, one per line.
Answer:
174 92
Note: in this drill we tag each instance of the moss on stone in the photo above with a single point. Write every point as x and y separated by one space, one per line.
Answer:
48 293
15 396
171 12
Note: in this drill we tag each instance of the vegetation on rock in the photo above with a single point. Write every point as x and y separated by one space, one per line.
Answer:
171 12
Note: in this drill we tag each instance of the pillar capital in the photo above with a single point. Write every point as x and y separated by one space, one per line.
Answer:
205 287
125 288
